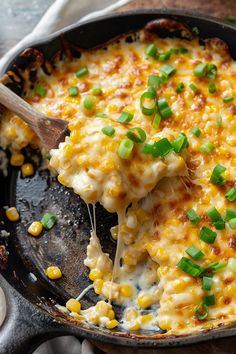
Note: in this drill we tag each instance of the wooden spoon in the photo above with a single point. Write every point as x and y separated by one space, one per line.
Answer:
51 131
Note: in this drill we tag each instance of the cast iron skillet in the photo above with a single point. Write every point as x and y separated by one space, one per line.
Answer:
32 316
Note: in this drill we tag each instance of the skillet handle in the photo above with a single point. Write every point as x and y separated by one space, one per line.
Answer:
25 328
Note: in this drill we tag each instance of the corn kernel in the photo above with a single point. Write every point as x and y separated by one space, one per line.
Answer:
75 136
68 151
113 108
114 232
17 159
179 285
53 272
94 319
102 307
161 271
145 300
98 284
107 166
111 314
35 228
112 324
62 179
165 324
77 316
73 305
135 326
12 214
131 315
146 318
10 133
95 274
27 169
126 290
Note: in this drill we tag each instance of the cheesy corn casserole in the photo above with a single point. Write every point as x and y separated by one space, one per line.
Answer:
152 138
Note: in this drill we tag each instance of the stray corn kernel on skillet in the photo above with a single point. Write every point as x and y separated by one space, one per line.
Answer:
151 118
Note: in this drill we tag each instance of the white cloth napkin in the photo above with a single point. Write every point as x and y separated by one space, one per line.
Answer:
61 14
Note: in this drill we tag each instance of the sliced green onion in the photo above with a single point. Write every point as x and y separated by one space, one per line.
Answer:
108 130
193 217
232 223
230 20
219 121
211 71
40 90
179 87
207 282
201 311
125 149
195 253
174 51
216 218
137 135
101 115
196 131
193 87
73 91
147 110
48 220
180 143
207 235
96 89
82 72
231 194
167 70
164 56
228 99
151 50
89 102
187 266
162 147
200 70
230 214
148 149
216 177
164 108
207 148
212 87
183 50
218 266
156 121
153 90
232 264
209 300
155 81
125 117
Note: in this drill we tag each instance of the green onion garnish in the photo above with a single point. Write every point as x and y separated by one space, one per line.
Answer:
230 214
232 223
230 20
183 50
212 87
228 99
207 235
209 300
148 149
216 177
196 131
82 72
48 220
219 121
200 70
180 143
193 217
155 81
195 253
187 266
96 89
89 102
211 71
156 121
193 87
231 194
108 130
179 87
151 50
162 147
125 117
164 108
207 282
73 91
40 90
201 311
101 115
216 218
207 148
167 70
148 103
125 149
164 56
137 135
232 264
218 266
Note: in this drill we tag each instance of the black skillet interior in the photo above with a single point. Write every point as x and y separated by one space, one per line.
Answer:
65 245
